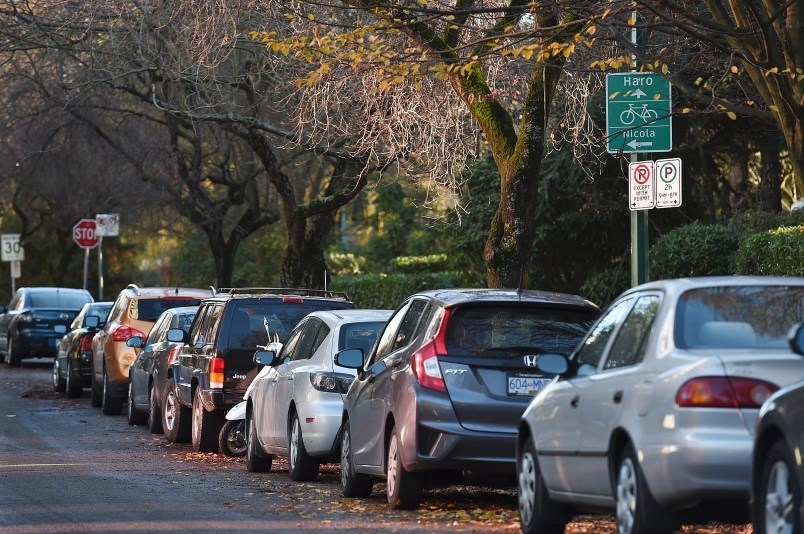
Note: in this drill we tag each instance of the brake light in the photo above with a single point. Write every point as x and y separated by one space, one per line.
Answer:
173 354
292 300
86 344
441 336
724 392
216 368
122 333
425 367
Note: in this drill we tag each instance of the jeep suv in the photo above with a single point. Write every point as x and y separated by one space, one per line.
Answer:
134 312
216 364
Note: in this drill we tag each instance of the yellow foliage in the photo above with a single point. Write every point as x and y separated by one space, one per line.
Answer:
732 115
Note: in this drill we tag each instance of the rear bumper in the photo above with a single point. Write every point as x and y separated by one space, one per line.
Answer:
29 344
219 399
320 423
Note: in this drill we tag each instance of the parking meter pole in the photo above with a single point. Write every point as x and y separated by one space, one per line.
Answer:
86 266
639 218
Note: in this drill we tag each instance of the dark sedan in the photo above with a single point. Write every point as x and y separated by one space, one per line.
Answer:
72 367
777 474
36 319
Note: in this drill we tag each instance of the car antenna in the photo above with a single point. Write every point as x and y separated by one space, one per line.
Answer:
177 289
521 281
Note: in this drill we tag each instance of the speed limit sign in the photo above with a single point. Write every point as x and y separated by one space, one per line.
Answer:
10 248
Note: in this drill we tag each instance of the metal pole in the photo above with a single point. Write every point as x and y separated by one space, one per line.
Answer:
639 218
100 267
86 266
11 271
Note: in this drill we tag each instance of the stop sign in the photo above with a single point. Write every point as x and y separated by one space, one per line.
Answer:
85 233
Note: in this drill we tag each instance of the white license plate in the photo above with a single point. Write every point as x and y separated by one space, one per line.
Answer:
526 385
60 329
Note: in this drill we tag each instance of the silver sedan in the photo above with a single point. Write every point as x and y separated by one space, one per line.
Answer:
653 416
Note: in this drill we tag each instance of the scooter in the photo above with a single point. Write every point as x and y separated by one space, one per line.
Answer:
232 438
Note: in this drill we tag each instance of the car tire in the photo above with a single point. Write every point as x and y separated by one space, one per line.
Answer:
73 385
14 359
636 510
205 426
352 483
775 499
109 405
403 488
175 417
301 466
58 381
538 513
232 438
95 392
257 460
154 413
135 416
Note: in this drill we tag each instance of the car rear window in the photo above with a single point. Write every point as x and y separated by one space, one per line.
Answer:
500 329
738 316
70 301
266 319
151 309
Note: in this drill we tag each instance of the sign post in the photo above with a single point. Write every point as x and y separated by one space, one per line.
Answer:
108 225
12 251
85 235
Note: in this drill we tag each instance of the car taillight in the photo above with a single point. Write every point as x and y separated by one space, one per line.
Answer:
216 368
331 382
425 367
122 333
724 392
86 343
292 300
173 354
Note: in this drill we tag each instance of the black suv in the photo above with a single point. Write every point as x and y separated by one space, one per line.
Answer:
216 364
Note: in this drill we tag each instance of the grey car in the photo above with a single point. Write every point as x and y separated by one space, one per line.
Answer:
653 416
438 399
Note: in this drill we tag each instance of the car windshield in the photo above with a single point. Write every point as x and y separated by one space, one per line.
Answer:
151 309
738 316
499 329
58 299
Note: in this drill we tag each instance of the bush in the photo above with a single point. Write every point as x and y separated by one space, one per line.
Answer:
694 250
344 263
419 264
603 287
387 291
777 252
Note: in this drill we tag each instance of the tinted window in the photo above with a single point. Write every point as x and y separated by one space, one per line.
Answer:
489 329
308 341
629 347
359 336
267 319
590 353
411 324
389 334
151 309
159 330
183 321
55 299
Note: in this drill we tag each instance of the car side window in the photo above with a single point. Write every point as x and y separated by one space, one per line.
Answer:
411 324
289 350
159 330
629 346
15 302
304 348
200 326
594 345
388 335
118 308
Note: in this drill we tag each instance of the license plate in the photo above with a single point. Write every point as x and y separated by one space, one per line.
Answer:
525 385
60 329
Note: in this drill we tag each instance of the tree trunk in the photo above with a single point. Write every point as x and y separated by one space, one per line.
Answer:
771 173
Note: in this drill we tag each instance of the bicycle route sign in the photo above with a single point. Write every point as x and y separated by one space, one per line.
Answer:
638 115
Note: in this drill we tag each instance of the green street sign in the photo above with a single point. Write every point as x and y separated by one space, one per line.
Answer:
638 118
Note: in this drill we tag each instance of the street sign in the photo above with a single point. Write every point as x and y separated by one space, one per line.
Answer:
85 234
11 248
16 269
638 115
640 185
668 183
108 224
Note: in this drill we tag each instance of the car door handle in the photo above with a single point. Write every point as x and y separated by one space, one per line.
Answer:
618 397
575 400
290 378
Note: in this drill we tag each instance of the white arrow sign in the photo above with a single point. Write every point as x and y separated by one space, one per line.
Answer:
639 94
639 144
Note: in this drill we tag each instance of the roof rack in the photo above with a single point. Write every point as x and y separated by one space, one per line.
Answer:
302 292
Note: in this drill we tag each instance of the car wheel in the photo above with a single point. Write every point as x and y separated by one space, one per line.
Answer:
109 405
154 413
175 417
58 381
95 392
257 460
776 508
205 426
74 386
538 514
14 359
636 511
352 483
301 466
404 489
135 416
232 439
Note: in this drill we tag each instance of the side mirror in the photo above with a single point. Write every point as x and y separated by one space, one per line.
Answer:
796 338
266 357
177 335
91 321
135 342
554 364
350 358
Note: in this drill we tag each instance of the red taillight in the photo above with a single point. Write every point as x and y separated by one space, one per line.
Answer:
441 336
174 352
122 333
216 368
425 367
292 300
723 392
86 344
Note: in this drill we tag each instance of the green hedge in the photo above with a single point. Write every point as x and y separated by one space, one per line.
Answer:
387 291
776 252
694 250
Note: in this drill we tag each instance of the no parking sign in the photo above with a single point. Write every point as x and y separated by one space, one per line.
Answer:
641 185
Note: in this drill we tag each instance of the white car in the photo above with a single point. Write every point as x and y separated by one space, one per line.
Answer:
653 416
294 409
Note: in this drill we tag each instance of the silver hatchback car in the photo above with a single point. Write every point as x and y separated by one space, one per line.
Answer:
653 416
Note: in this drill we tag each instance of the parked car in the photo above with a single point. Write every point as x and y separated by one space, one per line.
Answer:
72 366
216 364
295 408
134 312
653 416
147 376
777 473
36 319
439 397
